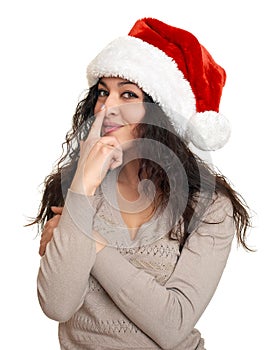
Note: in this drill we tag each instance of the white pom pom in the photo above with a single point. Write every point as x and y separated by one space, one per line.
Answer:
208 130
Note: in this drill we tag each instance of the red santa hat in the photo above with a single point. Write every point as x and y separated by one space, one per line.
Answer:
171 66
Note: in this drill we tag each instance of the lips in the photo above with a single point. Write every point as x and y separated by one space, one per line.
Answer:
108 128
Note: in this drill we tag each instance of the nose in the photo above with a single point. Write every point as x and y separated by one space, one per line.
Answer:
111 106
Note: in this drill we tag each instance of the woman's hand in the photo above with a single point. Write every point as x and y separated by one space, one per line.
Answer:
48 230
52 223
97 155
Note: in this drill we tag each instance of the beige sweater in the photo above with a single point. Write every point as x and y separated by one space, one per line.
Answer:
141 294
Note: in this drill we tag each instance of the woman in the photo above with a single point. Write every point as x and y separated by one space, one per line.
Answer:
135 255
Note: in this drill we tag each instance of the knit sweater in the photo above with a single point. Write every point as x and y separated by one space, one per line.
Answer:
133 294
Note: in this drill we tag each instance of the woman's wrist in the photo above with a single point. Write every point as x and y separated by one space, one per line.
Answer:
81 188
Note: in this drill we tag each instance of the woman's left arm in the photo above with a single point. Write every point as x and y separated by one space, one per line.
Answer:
167 314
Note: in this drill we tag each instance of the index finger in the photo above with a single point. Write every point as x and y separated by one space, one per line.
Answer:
95 130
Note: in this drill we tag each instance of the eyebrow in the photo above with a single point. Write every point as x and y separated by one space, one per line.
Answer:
126 83
122 83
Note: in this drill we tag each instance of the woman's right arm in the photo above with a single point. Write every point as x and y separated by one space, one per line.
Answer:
65 267
69 257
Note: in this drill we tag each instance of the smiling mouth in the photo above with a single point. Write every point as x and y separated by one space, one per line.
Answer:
110 128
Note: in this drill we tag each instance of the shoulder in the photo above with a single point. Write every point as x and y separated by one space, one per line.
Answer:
215 227
216 215
219 206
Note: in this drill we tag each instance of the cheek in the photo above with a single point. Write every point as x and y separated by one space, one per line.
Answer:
97 107
133 113
125 134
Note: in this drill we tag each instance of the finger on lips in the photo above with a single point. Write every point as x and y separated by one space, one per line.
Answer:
95 130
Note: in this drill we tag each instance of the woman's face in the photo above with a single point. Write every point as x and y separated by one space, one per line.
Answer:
123 106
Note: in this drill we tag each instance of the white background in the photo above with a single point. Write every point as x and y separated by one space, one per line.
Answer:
45 48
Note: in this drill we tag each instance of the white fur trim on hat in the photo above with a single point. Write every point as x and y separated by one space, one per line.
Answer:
153 71
208 130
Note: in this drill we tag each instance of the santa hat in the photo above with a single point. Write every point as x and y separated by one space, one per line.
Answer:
171 66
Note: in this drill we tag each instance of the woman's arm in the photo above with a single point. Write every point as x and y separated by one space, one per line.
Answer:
167 314
48 229
65 267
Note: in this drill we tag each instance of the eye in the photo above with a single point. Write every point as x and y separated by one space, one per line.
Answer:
102 93
129 94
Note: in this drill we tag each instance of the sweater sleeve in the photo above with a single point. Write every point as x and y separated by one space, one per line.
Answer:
167 314
65 268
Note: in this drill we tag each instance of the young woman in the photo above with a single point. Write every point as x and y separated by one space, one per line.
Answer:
138 228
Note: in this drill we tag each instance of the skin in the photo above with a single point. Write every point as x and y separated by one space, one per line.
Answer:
118 109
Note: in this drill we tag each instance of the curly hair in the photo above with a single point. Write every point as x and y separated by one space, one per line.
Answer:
183 188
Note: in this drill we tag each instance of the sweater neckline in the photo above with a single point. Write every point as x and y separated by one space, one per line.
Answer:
119 233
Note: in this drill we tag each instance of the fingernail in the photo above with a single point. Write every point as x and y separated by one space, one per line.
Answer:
102 107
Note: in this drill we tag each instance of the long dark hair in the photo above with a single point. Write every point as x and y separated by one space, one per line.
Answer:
159 166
